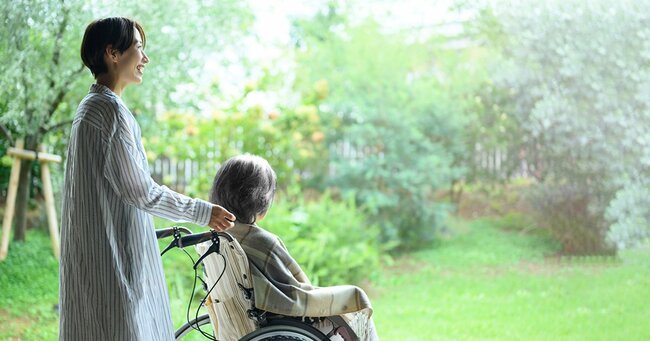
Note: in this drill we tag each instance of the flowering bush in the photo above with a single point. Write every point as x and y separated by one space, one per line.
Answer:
291 139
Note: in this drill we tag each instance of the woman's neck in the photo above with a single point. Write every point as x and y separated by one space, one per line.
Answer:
110 82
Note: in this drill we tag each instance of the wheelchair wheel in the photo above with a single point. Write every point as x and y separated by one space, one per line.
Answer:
186 329
286 331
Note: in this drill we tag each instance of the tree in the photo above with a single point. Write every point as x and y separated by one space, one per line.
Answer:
577 78
43 78
394 133
38 73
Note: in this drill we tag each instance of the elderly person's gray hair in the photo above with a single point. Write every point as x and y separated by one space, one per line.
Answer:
245 186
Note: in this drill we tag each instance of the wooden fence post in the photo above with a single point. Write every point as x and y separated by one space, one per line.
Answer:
18 153
48 193
11 202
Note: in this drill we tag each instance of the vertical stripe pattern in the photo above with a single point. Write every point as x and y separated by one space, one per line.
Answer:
229 305
112 285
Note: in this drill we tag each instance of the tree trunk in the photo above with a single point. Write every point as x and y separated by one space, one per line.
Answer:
22 198
22 195
455 193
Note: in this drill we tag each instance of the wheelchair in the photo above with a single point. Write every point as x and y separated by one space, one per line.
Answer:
230 297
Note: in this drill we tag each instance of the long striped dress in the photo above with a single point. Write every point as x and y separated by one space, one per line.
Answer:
112 285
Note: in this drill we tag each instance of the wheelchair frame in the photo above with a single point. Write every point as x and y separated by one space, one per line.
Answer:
276 329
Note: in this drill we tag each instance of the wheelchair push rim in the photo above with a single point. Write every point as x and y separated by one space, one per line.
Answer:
189 327
286 331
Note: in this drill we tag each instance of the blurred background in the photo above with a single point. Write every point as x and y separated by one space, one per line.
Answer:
480 168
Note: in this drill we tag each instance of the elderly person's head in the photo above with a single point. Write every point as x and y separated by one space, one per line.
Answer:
244 185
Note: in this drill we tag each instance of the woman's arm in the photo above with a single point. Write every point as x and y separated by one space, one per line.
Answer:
124 170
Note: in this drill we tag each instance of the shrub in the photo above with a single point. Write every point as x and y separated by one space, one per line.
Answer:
284 138
629 213
569 212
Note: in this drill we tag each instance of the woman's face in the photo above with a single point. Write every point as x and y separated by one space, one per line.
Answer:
130 68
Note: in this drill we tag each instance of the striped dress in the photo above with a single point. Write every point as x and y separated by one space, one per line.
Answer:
112 285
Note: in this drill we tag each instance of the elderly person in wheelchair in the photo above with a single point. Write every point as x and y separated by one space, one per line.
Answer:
258 286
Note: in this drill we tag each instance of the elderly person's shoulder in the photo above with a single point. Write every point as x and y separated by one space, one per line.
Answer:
252 234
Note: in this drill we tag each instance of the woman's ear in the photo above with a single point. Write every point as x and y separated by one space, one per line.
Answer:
111 53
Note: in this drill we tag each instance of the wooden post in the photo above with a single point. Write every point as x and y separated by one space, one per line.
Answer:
49 205
43 158
11 202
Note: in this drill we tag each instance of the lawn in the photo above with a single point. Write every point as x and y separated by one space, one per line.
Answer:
483 280
487 283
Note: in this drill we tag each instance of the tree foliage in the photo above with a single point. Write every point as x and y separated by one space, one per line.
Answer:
38 63
43 78
394 135
182 38
576 77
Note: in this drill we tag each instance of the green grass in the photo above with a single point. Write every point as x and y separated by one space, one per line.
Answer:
29 290
29 287
486 279
484 283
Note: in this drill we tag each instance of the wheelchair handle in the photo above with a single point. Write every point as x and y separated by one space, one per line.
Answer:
190 239
196 238
167 232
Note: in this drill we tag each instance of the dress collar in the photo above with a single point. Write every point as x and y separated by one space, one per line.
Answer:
101 89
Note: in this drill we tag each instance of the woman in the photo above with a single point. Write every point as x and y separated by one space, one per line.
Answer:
245 185
112 285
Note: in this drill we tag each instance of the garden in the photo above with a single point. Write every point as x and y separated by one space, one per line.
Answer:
482 174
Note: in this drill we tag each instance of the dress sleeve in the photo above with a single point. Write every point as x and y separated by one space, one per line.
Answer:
132 182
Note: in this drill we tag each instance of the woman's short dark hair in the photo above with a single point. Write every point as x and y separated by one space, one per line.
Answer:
244 185
116 31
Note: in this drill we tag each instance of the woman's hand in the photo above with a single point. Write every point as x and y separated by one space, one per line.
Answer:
221 219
